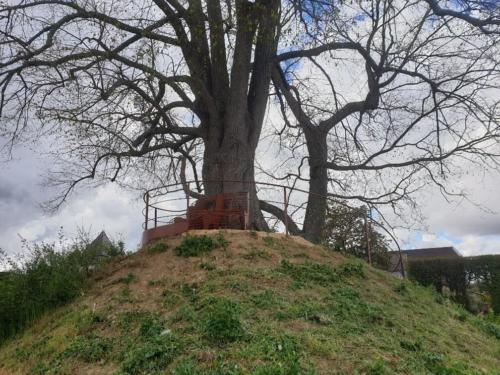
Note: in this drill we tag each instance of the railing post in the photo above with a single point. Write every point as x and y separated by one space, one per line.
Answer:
285 201
146 215
247 219
156 217
187 199
367 237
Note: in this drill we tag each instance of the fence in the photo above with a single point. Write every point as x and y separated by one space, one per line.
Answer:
167 204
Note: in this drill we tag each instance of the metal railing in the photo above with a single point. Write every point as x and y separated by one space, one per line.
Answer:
166 203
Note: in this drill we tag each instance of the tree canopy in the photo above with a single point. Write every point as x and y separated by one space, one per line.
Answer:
367 100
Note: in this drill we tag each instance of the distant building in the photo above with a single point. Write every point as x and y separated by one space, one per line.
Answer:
448 252
102 240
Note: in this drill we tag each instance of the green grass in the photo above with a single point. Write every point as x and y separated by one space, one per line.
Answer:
288 317
157 247
91 348
220 321
322 274
193 246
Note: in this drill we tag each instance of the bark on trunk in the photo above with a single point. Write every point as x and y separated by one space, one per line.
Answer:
229 168
318 185
235 109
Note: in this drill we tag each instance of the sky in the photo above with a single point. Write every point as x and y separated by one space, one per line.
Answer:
22 193
472 228
469 227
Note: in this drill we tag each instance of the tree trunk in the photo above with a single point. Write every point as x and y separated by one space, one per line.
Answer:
234 122
228 167
315 217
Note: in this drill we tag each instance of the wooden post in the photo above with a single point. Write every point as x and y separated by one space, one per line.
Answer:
285 200
147 212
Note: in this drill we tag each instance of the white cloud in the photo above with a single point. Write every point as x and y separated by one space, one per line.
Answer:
107 207
479 245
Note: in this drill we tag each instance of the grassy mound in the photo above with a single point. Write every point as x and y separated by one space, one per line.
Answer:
248 303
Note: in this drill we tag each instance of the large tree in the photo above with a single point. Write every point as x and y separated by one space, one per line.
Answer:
377 97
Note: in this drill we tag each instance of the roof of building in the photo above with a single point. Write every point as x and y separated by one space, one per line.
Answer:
433 252
101 239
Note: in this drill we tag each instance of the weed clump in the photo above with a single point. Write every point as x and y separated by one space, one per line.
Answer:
322 274
347 303
284 355
207 266
486 326
151 356
221 322
192 246
255 254
310 272
89 349
153 349
268 240
352 269
401 288
157 247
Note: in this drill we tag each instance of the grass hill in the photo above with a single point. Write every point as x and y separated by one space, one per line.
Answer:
252 303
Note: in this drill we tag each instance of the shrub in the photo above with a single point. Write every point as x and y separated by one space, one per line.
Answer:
47 278
221 321
192 246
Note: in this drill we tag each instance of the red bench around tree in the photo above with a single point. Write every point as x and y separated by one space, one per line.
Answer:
220 211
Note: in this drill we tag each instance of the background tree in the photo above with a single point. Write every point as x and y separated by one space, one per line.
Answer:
377 97
348 230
